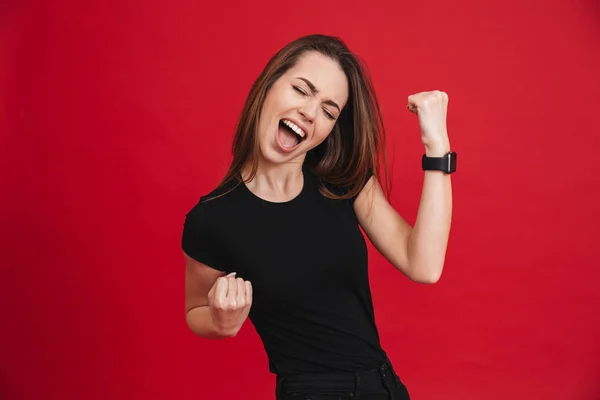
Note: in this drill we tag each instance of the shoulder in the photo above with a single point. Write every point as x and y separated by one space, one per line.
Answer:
344 180
212 204
345 191
205 236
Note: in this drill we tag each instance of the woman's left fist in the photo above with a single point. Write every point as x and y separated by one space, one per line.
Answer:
431 108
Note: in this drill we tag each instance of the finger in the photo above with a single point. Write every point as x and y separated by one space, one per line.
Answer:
416 98
248 293
241 292
220 293
231 292
227 277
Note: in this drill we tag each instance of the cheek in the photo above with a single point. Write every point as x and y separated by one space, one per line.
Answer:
266 117
322 132
274 104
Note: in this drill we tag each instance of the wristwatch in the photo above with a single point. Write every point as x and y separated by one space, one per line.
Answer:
446 163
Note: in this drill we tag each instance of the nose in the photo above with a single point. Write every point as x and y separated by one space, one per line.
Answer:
308 111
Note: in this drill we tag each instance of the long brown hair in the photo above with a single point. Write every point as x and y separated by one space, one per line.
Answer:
356 144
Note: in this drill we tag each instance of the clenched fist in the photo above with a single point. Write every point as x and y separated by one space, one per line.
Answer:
229 301
431 108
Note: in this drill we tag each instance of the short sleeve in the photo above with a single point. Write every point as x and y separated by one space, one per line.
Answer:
369 175
199 240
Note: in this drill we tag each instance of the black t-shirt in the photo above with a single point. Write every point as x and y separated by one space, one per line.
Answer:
307 262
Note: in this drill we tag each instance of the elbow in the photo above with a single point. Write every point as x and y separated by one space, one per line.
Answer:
424 266
427 275
428 280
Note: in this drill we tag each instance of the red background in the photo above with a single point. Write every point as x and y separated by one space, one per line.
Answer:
116 116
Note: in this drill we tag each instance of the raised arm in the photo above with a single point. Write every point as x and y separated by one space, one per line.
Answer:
419 252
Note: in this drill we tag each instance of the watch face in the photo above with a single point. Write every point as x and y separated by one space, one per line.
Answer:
446 163
451 162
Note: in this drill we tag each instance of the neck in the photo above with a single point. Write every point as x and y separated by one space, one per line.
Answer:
275 182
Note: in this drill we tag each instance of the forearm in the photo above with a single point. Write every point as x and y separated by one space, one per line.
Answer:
429 238
200 322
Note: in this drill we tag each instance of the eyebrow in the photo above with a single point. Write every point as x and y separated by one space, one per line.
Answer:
313 89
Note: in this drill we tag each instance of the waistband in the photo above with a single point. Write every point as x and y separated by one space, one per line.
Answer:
382 377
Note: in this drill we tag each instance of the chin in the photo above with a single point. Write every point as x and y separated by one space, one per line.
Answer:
272 155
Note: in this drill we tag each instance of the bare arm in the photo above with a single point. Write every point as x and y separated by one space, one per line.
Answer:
199 279
417 252
215 305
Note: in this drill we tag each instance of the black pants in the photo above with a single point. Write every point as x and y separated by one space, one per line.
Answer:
378 384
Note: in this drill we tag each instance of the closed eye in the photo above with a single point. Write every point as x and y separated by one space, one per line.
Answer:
297 89
303 93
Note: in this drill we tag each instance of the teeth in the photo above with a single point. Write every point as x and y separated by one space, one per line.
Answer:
294 127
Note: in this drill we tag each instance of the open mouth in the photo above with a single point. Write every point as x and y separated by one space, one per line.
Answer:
290 134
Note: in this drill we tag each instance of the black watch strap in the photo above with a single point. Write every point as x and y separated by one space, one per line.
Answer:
446 163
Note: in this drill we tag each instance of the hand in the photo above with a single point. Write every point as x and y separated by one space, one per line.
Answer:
431 108
229 301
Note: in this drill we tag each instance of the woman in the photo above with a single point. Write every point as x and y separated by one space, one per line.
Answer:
279 240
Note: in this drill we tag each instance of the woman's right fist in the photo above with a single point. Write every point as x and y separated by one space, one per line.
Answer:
229 301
